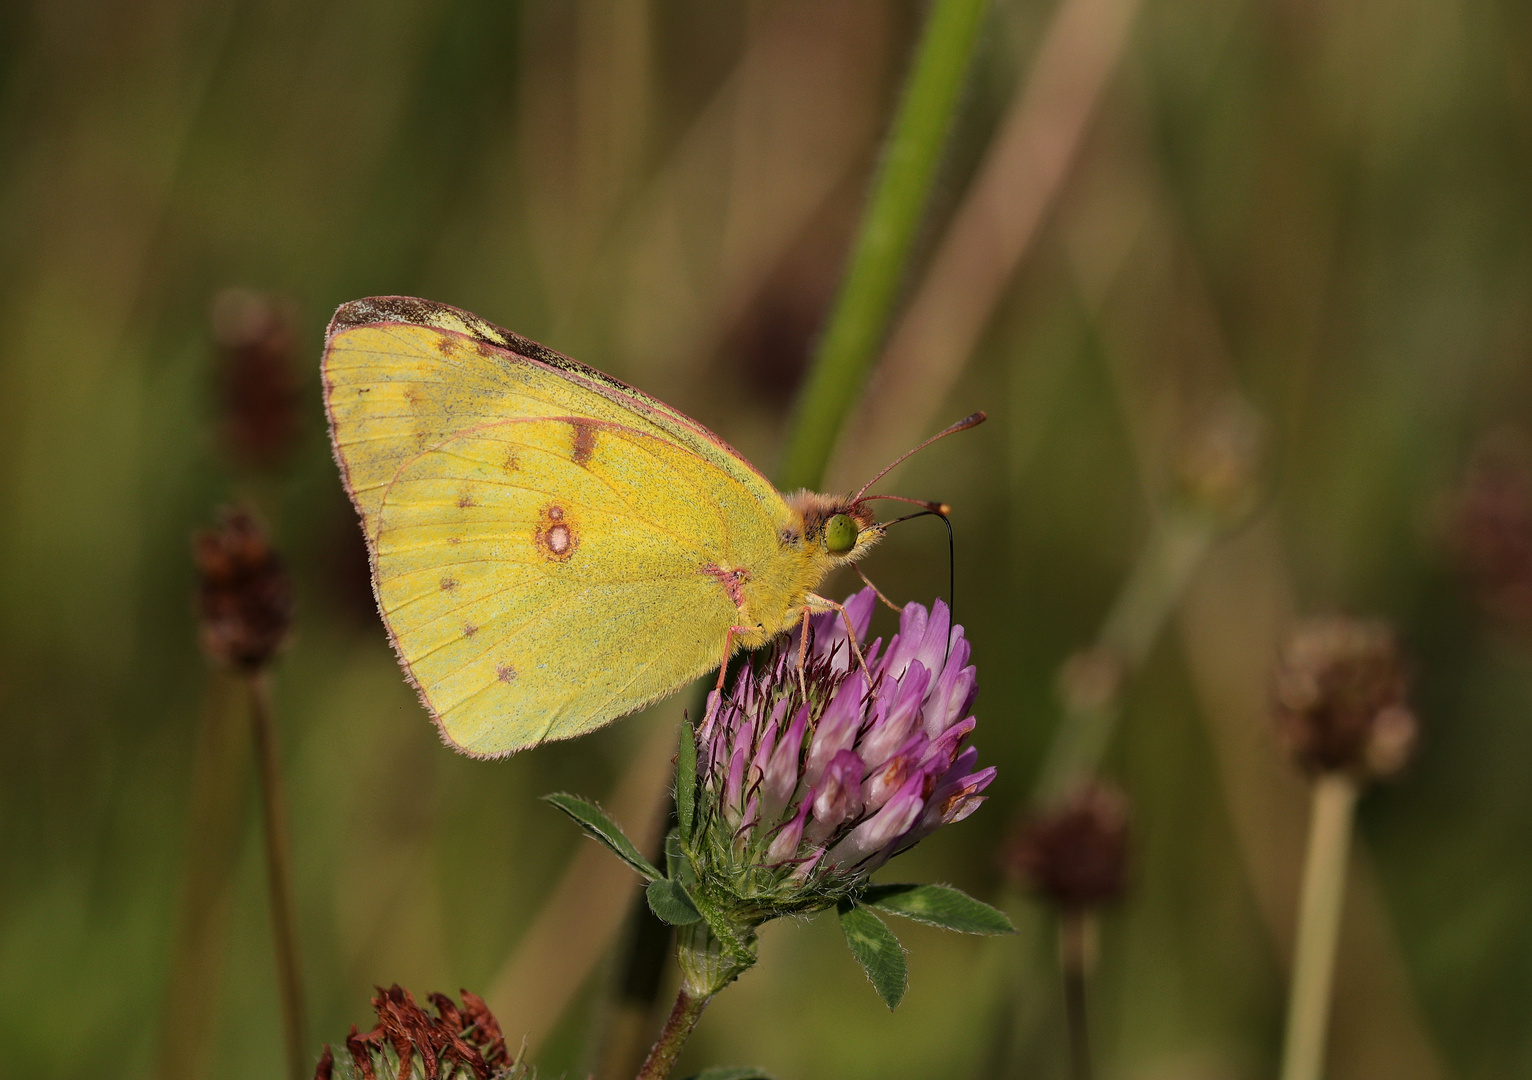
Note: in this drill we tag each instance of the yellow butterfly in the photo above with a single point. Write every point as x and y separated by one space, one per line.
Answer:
551 548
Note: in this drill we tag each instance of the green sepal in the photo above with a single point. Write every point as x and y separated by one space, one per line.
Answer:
590 817
732 1072
677 866
877 950
670 904
939 905
686 778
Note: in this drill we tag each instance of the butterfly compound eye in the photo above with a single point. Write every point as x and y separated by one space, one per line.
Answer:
840 534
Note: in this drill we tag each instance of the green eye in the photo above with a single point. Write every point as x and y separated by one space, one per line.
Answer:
840 534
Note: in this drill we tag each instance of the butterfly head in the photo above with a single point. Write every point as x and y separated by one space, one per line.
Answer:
834 529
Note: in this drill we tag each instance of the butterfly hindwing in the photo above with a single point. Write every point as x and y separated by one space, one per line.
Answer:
535 588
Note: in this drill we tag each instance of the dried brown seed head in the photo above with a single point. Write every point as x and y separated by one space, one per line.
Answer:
455 1044
259 388
244 597
1090 678
1218 466
1076 854
1491 528
1340 703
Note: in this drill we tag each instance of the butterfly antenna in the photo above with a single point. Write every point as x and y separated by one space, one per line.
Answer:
951 586
962 425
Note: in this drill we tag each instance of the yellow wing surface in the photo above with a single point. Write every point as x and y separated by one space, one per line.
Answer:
551 549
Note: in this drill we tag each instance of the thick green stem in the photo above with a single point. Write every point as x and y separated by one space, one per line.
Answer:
279 877
1319 918
860 318
678 1028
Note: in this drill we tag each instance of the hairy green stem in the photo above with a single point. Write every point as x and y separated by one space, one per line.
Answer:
1319 918
678 1028
279 877
860 317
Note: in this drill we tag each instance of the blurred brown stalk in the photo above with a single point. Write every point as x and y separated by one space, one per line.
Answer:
215 828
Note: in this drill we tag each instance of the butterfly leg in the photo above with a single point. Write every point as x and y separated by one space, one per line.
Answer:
815 600
895 608
728 651
803 652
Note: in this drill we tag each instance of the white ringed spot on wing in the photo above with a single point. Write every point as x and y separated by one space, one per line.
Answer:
556 536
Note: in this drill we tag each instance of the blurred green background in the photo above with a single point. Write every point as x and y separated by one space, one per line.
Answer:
1303 220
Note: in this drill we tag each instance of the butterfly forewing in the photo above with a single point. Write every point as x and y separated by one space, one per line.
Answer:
402 374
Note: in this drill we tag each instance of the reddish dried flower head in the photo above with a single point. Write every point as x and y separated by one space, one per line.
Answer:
1076 854
1492 529
1340 698
258 383
455 1044
244 597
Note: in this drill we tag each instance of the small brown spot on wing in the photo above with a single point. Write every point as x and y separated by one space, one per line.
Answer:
584 441
556 537
465 500
505 673
454 540
512 463
448 584
446 346
469 630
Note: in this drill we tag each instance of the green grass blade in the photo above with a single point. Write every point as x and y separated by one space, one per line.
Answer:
860 317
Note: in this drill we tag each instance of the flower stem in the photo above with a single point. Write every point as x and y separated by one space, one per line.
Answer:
678 1028
214 824
1319 916
860 318
1074 948
1147 600
279 875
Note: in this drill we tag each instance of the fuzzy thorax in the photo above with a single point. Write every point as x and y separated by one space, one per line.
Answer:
772 598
